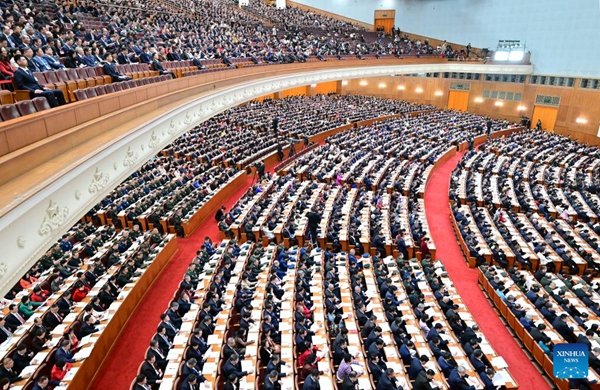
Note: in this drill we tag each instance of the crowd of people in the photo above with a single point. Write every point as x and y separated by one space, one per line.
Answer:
46 37
535 184
72 289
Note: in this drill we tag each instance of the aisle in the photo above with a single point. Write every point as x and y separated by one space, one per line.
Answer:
437 209
121 365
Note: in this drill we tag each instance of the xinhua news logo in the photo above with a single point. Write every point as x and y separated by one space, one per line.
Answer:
570 361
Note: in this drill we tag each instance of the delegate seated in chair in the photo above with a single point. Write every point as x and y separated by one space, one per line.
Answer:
111 70
157 66
24 79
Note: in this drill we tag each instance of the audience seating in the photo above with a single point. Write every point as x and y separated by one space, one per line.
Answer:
530 203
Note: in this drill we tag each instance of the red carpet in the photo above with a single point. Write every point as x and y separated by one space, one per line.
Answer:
437 209
121 365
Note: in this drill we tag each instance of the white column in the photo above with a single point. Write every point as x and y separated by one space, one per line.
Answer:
280 4
244 2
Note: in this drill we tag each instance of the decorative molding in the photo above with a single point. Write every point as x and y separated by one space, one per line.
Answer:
130 157
125 155
3 268
21 242
54 218
99 181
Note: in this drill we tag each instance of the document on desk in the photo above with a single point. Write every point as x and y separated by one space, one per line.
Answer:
28 371
83 353
498 362
500 378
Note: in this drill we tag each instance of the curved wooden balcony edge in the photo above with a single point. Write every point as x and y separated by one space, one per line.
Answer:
49 183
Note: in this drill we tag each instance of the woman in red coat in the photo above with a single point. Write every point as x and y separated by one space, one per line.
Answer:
6 69
59 370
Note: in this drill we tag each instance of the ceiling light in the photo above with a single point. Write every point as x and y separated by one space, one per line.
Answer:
363 83
419 90
478 99
382 85
521 108
581 121
439 93
498 103
401 88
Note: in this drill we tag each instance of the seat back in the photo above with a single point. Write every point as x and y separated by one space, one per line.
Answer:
9 111
26 107
80 94
40 104
99 70
90 72
72 73
62 75
90 92
109 88
51 77
116 86
6 97
41 77
100 90
81 73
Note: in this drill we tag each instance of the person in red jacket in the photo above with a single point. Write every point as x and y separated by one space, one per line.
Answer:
39 295
424 246
80 293
6 68
59 370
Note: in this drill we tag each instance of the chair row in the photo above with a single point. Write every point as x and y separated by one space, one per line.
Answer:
22 108
99 90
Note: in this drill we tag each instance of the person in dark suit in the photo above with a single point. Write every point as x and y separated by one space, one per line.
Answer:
190 383
7 370
312 381
457 380
423 381
477 362
111 70
159 354
388 381
487 379
64 352
271 381
141 383
375 367
24 79
560 325
231 367
53 317
416 366
151 371
87 328
157 66
41 383
14 319
350 382
5 333
231 383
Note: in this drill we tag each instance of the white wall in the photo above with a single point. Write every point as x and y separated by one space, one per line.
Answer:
563 35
